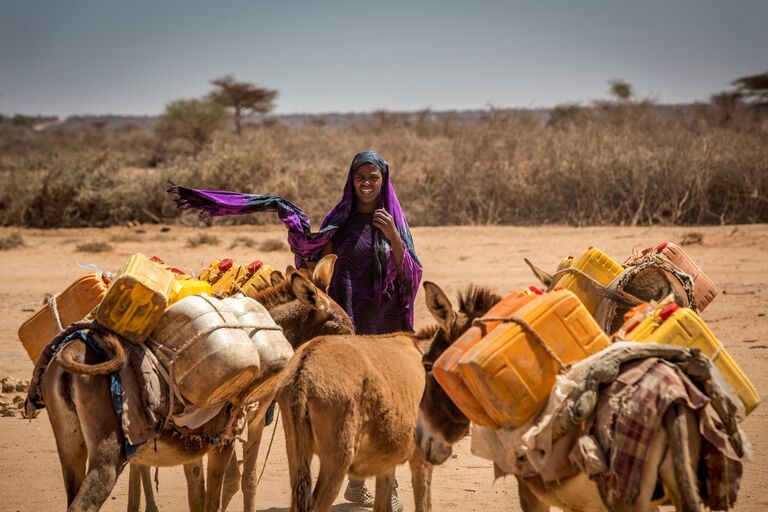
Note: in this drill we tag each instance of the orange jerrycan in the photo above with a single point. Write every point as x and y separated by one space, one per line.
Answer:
511 372
682 327
136 299
598 266
445 369
704 289
72 305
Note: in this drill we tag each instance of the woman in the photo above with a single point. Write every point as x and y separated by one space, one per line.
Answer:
377 273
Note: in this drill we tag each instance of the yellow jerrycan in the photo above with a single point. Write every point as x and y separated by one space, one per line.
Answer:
512 370
445 369
673 325
136 299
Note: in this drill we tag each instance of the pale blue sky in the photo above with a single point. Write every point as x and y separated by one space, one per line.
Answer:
133 56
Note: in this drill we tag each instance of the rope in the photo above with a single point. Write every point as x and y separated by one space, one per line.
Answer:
480 322
55 310
269 450
602 289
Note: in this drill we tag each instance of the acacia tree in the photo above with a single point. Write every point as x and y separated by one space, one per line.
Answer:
621 89
242 97
192 120
754 89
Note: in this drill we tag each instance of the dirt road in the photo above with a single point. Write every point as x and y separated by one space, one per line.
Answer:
734 256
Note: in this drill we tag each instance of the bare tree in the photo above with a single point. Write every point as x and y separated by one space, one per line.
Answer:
192 120
242 97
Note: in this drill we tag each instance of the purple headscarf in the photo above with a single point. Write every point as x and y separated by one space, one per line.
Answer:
306 245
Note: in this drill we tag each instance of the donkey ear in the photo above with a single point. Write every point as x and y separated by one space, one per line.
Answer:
308 293
439 305
276 277
544 277
290 269
324 272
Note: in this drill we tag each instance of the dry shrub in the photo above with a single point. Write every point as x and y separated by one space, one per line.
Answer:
202 239
272 245
11 241
243 241
93 247
605 164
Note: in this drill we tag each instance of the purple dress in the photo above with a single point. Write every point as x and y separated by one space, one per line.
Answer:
352 285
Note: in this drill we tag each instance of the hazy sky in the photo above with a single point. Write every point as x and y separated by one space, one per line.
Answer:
133 56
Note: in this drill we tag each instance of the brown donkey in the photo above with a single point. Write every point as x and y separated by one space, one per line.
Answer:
672 456
88 433
353 402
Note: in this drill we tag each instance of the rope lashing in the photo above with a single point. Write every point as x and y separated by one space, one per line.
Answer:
480 322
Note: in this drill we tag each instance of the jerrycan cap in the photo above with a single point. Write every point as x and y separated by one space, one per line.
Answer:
254 266
536 290
225 264
662 246
668 310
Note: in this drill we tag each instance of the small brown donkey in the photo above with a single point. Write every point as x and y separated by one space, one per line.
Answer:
353 401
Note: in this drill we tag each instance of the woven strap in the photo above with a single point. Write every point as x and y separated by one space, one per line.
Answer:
480 322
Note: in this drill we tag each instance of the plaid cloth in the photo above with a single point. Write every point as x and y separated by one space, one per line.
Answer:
631 412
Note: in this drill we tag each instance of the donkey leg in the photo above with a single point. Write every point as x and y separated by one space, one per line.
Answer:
103 440
250 456
421 478
134 488
231 481
383 500
146 483
218 461
529 502
193 471
329 481
70 443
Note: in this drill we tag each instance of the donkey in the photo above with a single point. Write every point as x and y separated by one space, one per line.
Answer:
353 402
673 455
88 431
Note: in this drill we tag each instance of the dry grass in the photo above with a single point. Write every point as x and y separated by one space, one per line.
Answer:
605 164
272 245
202 239
93 247
11 241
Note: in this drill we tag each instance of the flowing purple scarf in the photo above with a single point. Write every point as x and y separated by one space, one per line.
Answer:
307 245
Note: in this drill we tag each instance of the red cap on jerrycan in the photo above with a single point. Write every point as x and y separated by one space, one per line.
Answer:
225 264
662 246
668 310
254 266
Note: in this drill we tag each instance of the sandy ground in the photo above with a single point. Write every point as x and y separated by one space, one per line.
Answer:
734 256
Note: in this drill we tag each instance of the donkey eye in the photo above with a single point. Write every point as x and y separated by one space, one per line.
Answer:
427 366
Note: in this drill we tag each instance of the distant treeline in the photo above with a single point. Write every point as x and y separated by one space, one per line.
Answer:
609 163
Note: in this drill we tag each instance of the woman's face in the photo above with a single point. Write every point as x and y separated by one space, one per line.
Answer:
367 183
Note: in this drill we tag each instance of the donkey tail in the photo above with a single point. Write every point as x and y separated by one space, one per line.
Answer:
678 426
298 433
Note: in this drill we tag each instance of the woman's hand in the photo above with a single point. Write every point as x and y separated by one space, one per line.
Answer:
386 223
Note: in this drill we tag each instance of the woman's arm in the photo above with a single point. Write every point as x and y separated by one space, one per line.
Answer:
384 221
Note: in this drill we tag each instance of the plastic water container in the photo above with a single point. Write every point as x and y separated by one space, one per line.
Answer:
73 304
187 287
682 327
136 299
445 368
511 374
704 289
600 267
212 358
274 349
257 278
